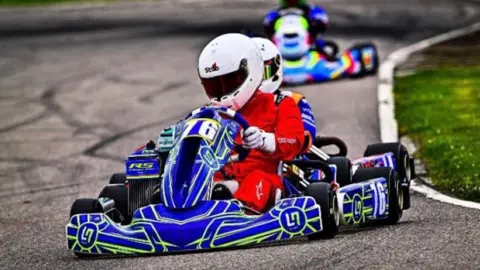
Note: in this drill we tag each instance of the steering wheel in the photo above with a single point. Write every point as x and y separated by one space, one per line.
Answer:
239 119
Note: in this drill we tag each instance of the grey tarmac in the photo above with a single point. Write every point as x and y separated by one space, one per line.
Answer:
81 87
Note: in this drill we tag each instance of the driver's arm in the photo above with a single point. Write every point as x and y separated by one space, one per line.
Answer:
289 130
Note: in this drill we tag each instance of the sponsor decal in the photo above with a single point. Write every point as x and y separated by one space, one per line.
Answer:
293 220
287 140
213 68
260 190
368 164
371 163
141 166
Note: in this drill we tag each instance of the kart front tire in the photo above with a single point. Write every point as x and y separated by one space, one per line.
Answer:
118 178
405 168
326 197
395 192
119 194
344 170
85 206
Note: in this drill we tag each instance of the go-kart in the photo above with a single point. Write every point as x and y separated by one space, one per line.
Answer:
153 210
141 212
304 63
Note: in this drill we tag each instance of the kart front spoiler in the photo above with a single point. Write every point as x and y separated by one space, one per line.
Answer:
212 224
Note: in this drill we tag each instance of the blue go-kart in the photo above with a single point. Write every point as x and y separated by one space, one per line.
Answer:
174 206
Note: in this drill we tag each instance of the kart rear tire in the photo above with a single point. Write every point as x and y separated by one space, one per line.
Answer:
344 170
326 197
119 194
405 168
396 197
118 178
85 206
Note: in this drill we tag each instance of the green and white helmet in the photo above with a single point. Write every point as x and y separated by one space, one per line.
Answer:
272 61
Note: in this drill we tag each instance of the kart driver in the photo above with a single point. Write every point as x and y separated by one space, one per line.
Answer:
316 16
272 79
231 70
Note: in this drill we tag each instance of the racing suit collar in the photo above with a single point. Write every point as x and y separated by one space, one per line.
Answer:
251 100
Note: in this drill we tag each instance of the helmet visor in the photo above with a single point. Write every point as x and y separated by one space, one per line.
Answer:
225 84
271 67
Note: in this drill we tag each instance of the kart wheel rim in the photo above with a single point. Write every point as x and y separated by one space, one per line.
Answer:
335 211
399 196
406 165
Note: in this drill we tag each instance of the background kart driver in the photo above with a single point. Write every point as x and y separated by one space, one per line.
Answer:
316 16
231 70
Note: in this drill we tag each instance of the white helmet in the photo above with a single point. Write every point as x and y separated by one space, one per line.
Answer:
231 70
272 60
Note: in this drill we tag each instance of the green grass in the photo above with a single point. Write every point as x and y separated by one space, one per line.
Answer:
45 2
440 109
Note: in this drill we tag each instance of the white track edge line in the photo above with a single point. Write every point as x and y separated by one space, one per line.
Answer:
386 109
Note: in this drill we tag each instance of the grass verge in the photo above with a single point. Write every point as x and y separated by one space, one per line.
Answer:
439 107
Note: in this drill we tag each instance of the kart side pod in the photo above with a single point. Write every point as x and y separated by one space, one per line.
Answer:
378 197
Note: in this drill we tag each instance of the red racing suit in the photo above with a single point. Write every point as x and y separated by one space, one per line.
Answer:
258 174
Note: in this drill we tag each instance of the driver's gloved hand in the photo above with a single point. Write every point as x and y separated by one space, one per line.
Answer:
254 138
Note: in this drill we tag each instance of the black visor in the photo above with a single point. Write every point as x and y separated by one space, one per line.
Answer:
271 67
226 84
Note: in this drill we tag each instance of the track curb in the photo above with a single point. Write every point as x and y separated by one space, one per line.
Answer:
386 106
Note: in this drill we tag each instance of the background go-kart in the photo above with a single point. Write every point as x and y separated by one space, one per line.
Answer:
80 89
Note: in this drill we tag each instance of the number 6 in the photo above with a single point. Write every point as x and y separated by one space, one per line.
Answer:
209 130
379 192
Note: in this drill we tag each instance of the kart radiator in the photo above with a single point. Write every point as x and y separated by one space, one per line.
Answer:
139 192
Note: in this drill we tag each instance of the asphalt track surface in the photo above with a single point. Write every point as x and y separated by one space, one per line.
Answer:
81 88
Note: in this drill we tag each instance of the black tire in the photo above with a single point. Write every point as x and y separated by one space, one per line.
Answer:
85 206
334 46
118 178
119 194
395 195
344 170
326 197
404 164
364 71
